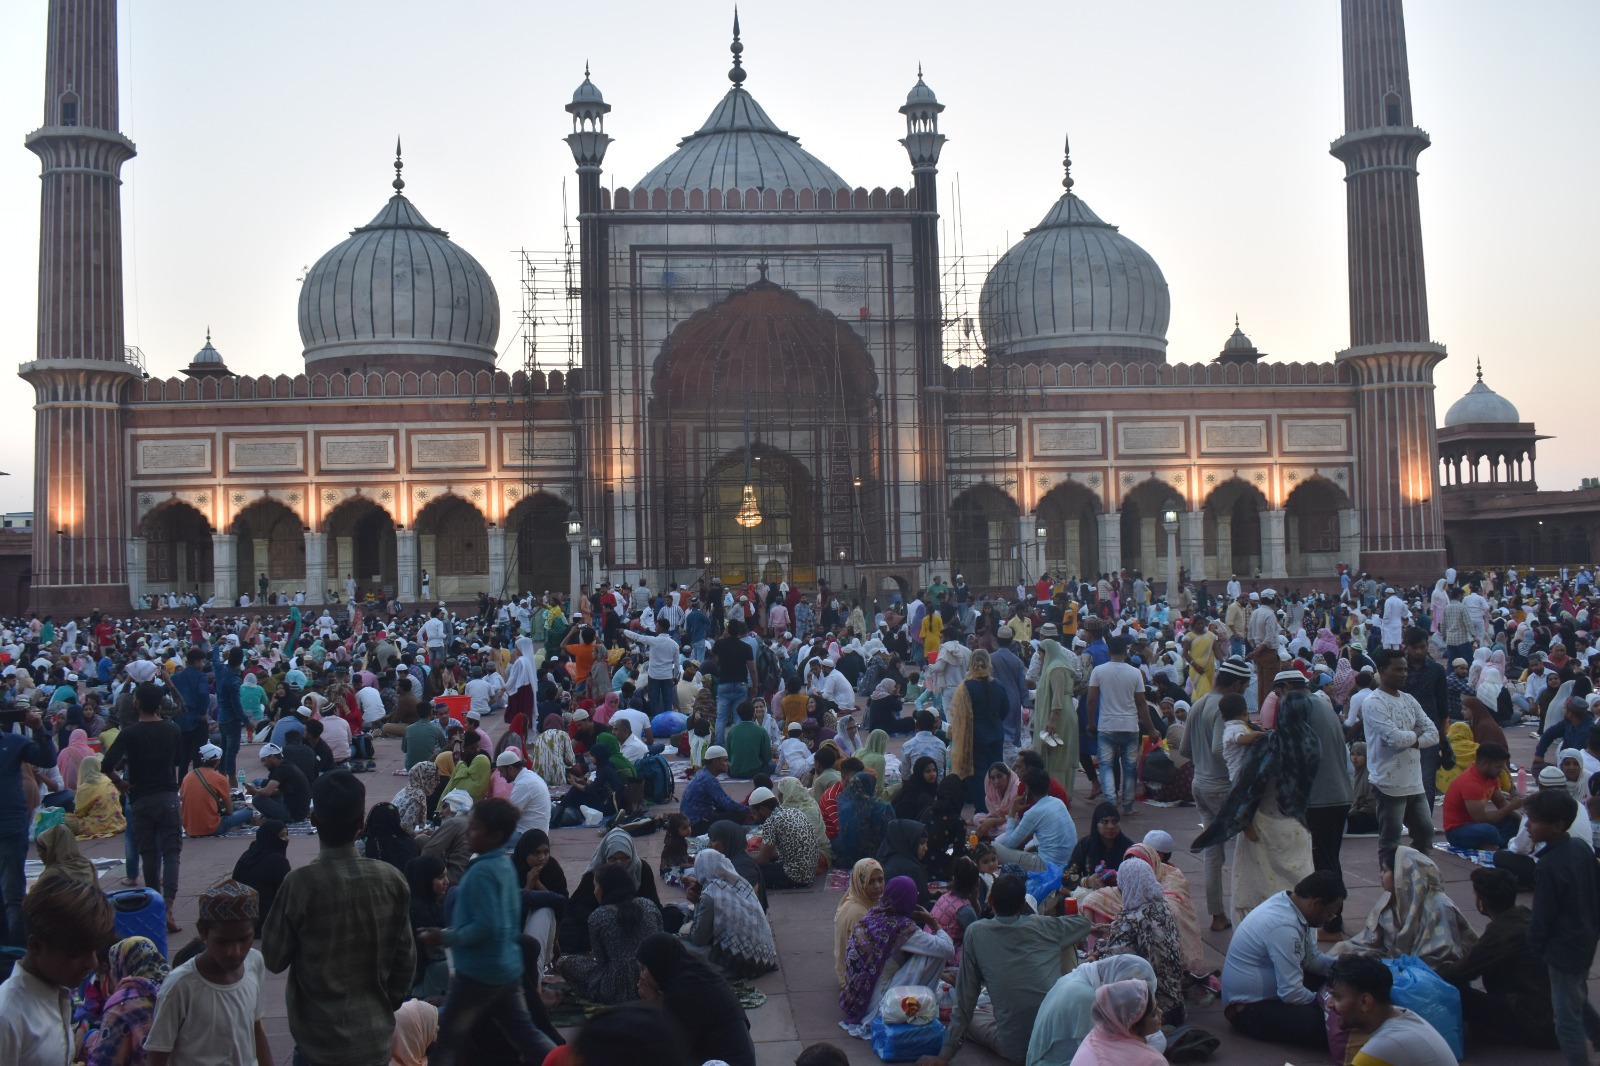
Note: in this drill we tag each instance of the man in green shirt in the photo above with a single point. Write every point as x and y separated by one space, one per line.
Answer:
749 747
425 738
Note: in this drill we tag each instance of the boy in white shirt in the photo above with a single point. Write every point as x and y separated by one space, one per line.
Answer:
68 922
210 1008
1236 733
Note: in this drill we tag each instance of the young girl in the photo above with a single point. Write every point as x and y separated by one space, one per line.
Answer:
210 1008
988 864
699 735
960 906
1237 733
675 849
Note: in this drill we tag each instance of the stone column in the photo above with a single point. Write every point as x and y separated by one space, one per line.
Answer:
1072 548
1274 559
574 574
497 561
1225 547
1149 553
1110 542
345 551
225 568
316 567
1192 531
136 569
1030 551
1350 539
405 565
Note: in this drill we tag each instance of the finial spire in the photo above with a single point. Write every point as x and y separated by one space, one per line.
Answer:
585 70
737 74
919 70
208 335
1480 369
1066 163
399 183
1236 320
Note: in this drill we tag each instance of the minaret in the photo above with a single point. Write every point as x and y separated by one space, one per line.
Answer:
923 142
79 531
588 142
1390 352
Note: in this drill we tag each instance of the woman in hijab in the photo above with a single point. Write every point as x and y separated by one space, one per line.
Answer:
1480 659
863 818
414 802
1145 927
416 1027
1437 602
947 829
1267 807
611 767
1000 792
1055 715
265 863
978 708
731 839
698 998
519 682
904 844
1101 850
730 927
1124 1014
429 882
136 970
75 752
544 892
1065 1017
97 805
552 751
386 837
616 849
791 793
917 789
860 896
1414 916
1492 693
617 927
895 943
472 772
1462 743
871 753
58 848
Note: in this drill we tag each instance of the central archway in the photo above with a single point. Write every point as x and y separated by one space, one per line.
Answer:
362 541
178 549
785 543
453 547
983 537
1072 536
271 544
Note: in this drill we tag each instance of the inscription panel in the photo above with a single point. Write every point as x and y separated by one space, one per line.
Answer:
1150 438
250 455
547 446
174 456
1246 435
1316 435
358 453
1068 438
435 450
982 442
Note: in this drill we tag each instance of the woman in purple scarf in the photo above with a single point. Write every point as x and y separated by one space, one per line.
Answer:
895 943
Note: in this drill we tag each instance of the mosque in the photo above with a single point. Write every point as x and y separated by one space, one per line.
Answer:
764 385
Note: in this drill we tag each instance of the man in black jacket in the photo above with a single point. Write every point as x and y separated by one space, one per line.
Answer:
1425 680
1514 1004
1566 918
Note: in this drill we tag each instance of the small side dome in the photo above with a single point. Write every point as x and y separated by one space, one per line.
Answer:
1482 405
921 95
207 362
1238 348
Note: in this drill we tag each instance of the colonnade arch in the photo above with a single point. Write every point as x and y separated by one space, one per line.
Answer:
983 537
270 544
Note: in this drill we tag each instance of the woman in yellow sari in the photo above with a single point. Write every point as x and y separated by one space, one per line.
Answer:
1203 660
1459 737
97 811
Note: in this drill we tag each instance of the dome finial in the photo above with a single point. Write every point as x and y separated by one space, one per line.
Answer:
1480 368
1066 163
398 183
919 70
737 74
1236 320
208 334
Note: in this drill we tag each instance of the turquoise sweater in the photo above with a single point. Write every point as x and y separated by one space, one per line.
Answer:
488 912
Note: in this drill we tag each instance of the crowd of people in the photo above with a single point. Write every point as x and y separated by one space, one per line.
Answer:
927 747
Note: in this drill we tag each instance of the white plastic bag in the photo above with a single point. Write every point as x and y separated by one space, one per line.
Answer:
909 1005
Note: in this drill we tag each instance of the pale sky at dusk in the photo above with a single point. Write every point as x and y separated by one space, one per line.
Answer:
265 134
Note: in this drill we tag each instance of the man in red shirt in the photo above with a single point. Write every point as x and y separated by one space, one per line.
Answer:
1477 814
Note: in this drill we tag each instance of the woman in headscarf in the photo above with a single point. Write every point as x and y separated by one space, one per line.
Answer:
1480 659
135 971
1460 738
1100 850
895 943
1065 1017
871 753
1105 904
1124 1014
414 802
1055 715
1570 760
978 709
617 927
791 793
863 818
544 892
1267 807
1000 794
616 849
519 683
732 840
552 751
472 771
58 849
265 863
1414 916
860 896
386 837
1145 927
1201 648
917 789
1437 602
710 1020
416 1027
97 805
429 881
75 752
947 829
730 928
904 844
1491 691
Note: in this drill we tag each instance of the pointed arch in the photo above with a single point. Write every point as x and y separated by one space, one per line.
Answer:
271 545
362 545
453 547
178 548
1143 532
1068 514
1312 526
983 537
1232 524
536 543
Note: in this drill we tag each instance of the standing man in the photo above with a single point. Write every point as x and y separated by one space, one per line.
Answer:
661 667
1456 628
32 746
1007 669
1425 681
1117 710
736 675
152 748
1202 744
194 690
1392 622
1264 627
1397 733
230 711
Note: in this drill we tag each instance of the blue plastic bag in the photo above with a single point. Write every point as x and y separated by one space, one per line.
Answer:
906 1043
1044 882
1423 992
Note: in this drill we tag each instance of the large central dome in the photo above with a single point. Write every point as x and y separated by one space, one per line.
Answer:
1075 290
739 147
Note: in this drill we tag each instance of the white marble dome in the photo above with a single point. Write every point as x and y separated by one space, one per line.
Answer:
1481 405
1074 289
739 147
398 293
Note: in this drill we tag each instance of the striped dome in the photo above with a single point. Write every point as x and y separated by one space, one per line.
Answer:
739 147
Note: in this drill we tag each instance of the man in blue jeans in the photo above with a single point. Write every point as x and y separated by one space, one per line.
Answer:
1117 711
29 744
736 675
1566 919
1477 814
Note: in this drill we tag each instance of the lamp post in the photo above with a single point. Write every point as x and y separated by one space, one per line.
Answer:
575 542
1041 536
1169 522
594 560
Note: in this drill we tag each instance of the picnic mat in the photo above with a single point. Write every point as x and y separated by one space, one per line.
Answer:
241 832
1482 858
571 1011
838 880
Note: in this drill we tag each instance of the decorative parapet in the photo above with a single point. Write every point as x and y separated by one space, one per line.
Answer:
699 200
485 385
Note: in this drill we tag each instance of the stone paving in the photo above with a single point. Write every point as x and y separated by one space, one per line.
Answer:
802 1002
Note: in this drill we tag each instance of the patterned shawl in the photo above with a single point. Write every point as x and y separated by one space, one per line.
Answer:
1286 759
881 933
741 927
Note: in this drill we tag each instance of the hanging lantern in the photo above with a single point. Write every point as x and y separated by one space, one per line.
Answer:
749 514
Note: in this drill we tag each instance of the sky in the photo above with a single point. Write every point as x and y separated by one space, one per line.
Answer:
266 133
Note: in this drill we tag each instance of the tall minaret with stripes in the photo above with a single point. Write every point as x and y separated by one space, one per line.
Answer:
82 369
1390 353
